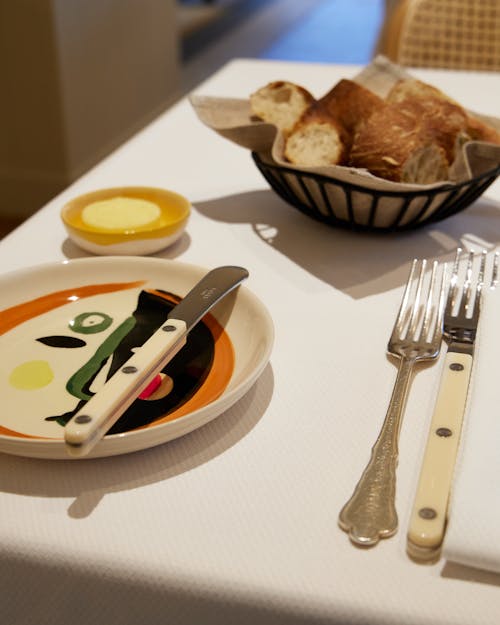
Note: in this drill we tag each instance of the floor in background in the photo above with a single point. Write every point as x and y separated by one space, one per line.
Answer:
247 28
323 31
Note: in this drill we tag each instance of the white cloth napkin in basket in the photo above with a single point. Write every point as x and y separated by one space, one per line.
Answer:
473 533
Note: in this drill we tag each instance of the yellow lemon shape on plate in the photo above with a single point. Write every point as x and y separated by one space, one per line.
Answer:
31 375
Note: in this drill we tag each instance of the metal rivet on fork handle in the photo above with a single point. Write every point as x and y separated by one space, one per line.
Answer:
456 366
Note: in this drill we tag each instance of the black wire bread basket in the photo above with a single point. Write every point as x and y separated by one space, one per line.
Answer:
348 205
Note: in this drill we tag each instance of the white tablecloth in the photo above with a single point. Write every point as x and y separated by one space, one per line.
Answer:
237 522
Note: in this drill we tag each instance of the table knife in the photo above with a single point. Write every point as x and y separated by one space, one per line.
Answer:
104 408
430 509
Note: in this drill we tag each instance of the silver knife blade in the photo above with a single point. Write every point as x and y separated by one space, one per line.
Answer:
102 410
212 288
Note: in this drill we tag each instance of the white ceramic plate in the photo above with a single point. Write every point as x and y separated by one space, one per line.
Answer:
62 326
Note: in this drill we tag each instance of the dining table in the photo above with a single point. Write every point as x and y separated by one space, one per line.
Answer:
237 520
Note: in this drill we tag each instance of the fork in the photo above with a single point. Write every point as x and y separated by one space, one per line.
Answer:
370 513
429 515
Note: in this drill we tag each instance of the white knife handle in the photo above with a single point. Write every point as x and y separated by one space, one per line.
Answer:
102 410
429 515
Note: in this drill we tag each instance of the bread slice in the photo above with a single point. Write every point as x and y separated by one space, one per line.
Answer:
316 140
323 135
281 103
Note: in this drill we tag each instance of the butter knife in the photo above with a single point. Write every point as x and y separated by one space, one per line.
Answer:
430 509
104 408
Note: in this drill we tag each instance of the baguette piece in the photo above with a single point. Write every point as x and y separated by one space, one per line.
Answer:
395 143
481 131
443 119
349 103
413 89
414 137
323 135
317 139
281 103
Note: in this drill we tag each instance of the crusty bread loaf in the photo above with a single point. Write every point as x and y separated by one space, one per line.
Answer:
281 103
323 135
394 143
414 137
415 90
443 120
349 103
481 131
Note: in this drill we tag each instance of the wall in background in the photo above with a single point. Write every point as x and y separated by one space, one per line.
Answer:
78 78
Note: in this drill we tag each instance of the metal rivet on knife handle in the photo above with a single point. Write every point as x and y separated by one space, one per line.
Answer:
456 366
83 418
427 513
444 432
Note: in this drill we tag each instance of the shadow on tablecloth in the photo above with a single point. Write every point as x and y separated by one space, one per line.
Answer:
359 264
88 481
451 570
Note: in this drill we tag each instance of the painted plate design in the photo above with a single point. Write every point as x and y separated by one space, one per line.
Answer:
65 328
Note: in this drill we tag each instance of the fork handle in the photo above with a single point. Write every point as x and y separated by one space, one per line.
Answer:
429 515
370 513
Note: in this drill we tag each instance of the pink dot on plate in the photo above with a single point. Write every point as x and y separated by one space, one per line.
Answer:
151 387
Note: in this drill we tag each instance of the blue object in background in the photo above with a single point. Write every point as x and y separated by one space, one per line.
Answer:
338 31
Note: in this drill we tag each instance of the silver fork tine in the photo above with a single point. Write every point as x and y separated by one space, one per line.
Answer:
452 293
479 285
494 271
370 513
442 300
397 331
413 325
466 303
429 308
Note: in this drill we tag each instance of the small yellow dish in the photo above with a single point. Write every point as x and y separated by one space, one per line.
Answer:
126 220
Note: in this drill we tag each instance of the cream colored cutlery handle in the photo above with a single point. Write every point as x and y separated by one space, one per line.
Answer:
370 513
102 410
429 515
